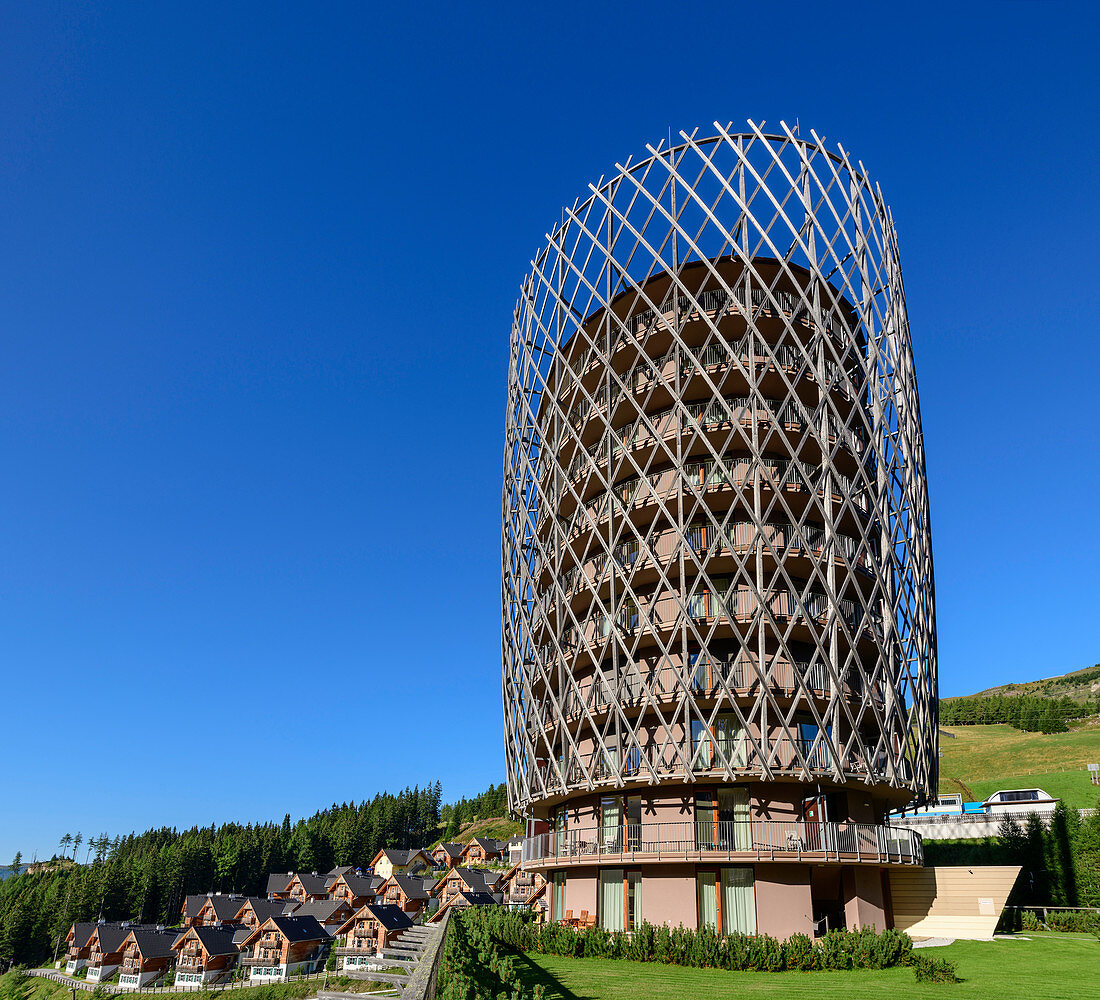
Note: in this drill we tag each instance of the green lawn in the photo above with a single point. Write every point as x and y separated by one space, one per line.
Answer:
982 759
1066 967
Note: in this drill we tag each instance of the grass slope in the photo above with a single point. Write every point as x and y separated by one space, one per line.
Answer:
1063 968
1077 684
497 827
982 759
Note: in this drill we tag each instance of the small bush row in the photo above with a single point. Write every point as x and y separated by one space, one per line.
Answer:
702 948
1061 920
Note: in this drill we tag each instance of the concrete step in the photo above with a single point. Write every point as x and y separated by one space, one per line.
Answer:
391 963
416 946
334 995
378 977
410 957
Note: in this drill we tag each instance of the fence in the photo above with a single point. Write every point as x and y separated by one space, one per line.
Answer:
162 990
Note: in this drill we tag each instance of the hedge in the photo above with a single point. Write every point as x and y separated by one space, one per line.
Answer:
702 948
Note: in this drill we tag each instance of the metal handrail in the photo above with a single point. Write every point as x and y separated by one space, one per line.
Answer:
707 840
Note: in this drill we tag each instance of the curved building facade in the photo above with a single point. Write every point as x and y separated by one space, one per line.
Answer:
719 653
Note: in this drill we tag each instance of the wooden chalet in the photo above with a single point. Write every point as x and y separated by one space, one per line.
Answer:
445 854
218 909
205 955
146 956
77 946
463 900
371 928
392 861
331 914
405 891
518 886
308 887
484 850
281 946
278 885
254 910
105 950
191 907
355 890
463 880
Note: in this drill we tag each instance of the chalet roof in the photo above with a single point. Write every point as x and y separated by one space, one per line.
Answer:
412 887
225 907
278 882
240 935
363 885
389 916
477 878
322 909
314 884
82 933
341 870
452 849
111 936
481 898
262 906
489 844
153 943
192 904
215 940
295 928
396 856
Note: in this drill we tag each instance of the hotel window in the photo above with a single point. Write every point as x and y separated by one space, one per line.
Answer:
558 901
620 900
727 900
722 820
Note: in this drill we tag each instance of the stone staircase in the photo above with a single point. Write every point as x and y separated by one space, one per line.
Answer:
402 956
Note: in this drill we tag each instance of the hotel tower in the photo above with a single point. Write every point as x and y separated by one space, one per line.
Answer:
719 643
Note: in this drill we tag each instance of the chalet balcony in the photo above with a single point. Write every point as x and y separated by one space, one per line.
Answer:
733 841
264 959
363 949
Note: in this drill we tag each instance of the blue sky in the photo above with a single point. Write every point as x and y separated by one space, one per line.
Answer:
257 270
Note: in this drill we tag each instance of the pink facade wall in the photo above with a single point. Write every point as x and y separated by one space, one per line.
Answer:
669 896
581 887
863 903
784 905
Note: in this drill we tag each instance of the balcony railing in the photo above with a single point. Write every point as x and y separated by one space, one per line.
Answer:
705 542
706 679
708 604
755 840
710 755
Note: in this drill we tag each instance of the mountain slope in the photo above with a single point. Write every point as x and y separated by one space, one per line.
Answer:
1080 685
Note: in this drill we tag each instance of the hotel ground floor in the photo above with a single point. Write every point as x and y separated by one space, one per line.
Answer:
757 857
773 898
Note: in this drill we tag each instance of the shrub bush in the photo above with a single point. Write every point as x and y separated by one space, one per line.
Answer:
1072 920
1029 921
934 970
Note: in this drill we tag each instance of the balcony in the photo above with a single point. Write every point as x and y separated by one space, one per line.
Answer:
706 679
723 601
274 958
735 752
703 842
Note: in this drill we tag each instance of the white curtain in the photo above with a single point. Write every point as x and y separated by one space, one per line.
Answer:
708 900
738 901
611 899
